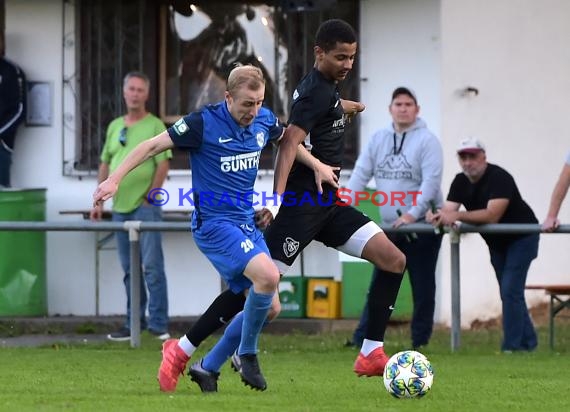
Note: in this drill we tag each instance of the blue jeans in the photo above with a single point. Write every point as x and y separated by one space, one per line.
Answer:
5 162
152 261
421 257
511 268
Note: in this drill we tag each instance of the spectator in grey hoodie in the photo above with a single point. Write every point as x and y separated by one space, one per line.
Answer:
406 158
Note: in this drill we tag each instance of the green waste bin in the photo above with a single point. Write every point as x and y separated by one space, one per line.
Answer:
356 280
293 296
22 255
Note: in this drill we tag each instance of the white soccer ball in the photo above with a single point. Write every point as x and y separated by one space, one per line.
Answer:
408 374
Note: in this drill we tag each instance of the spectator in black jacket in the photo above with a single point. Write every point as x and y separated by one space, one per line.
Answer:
12 109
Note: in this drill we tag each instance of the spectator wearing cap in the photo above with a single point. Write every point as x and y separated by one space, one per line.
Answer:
406 157
490 195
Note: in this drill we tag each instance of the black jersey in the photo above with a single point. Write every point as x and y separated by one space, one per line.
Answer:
317 110
496 183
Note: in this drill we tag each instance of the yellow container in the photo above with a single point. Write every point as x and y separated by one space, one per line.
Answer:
323 299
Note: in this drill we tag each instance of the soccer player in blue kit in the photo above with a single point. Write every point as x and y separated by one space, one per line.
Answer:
312 212
224 141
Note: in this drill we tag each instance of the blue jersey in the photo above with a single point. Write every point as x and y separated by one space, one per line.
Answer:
224 158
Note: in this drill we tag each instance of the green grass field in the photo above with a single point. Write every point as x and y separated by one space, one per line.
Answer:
304 373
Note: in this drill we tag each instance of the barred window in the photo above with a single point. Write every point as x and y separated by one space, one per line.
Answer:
187 50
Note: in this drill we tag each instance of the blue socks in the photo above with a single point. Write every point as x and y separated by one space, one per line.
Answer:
254 314
243 330
225 346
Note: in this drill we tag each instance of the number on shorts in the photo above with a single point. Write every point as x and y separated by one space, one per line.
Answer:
247 245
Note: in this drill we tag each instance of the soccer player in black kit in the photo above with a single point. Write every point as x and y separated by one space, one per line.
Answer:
317 111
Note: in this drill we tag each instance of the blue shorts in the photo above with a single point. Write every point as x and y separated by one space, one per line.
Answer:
230 247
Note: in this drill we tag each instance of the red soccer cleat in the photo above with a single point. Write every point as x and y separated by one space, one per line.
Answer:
174 360
371 365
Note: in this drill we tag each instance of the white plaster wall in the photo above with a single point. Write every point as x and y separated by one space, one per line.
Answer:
516 54
399 46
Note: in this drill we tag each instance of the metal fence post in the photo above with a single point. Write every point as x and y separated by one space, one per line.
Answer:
455 238
135 285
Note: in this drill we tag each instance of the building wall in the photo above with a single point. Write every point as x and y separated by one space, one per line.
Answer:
516 59
38 162
393 54
515 54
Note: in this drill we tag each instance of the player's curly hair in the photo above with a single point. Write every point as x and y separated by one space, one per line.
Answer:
334 31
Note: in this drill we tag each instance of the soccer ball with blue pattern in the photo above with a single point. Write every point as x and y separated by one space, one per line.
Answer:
408 374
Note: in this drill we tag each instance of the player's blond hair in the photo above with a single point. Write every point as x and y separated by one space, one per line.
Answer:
246 75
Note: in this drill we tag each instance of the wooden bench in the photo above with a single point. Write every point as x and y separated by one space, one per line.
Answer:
559 299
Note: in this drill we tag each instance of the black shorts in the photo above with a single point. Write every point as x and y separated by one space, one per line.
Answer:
296 226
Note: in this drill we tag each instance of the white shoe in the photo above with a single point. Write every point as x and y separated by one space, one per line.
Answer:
160 335
236 362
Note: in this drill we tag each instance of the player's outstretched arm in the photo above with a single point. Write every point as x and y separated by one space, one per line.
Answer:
141 153
97 209
351 108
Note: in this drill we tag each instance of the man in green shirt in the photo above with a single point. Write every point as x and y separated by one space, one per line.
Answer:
130 203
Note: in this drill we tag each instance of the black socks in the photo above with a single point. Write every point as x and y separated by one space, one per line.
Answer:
220 312
381 299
